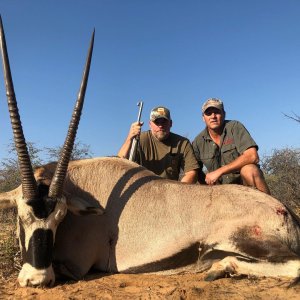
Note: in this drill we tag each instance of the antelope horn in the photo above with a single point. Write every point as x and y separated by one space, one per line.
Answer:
57 182
29 185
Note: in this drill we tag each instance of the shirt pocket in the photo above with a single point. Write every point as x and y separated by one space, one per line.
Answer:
229 153
209 160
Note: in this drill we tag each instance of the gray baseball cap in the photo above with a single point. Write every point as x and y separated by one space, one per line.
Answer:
160 112
212 102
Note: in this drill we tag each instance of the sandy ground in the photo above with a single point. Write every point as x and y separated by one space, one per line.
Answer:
150 286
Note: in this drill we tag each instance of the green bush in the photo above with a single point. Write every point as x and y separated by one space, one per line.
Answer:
282 172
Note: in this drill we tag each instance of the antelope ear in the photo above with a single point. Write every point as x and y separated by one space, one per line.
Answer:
8 199
80 206
6 203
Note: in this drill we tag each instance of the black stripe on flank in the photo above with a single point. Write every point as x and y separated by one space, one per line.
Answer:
260 246
39 253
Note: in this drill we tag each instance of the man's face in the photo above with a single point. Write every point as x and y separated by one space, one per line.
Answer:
214 118
160 128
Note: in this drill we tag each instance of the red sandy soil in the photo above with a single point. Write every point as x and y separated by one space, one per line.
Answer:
151 286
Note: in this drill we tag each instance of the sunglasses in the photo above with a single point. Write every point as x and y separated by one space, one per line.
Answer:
160 121
209 112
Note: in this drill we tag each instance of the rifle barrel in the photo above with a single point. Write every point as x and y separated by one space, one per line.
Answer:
136 139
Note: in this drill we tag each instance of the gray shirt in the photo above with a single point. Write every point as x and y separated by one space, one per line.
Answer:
235 139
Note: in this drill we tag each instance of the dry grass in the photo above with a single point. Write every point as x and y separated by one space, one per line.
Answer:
9 249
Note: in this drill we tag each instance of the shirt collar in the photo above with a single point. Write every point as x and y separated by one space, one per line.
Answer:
206 135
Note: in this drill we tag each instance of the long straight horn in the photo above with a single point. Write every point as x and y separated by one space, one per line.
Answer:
57 183
29 185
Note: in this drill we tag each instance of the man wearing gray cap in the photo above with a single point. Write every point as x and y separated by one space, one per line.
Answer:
161 151
227 150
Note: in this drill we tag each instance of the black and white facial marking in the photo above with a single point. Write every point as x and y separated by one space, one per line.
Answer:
38 221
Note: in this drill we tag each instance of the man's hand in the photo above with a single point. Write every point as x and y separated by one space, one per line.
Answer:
135 130
212 177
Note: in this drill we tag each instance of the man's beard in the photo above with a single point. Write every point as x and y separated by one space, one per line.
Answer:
162 135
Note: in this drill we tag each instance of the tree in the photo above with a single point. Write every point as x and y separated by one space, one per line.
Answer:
295 117
282 170
9 171
80 151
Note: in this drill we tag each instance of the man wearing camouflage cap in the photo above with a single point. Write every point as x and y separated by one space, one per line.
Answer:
227 150
161 151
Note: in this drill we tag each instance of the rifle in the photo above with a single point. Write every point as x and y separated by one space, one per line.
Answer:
136 139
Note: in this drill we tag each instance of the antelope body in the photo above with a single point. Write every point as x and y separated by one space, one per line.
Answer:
113 215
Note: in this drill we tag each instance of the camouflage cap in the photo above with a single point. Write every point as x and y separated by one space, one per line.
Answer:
160 112
212 102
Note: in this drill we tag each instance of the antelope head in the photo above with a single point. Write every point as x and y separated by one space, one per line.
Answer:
40 207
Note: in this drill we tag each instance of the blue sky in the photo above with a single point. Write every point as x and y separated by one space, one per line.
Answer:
168 52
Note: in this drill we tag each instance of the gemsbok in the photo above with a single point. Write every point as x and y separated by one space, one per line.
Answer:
112 215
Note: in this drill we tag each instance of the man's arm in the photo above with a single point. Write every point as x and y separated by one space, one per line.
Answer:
189 164
135 130
249 156
190 177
